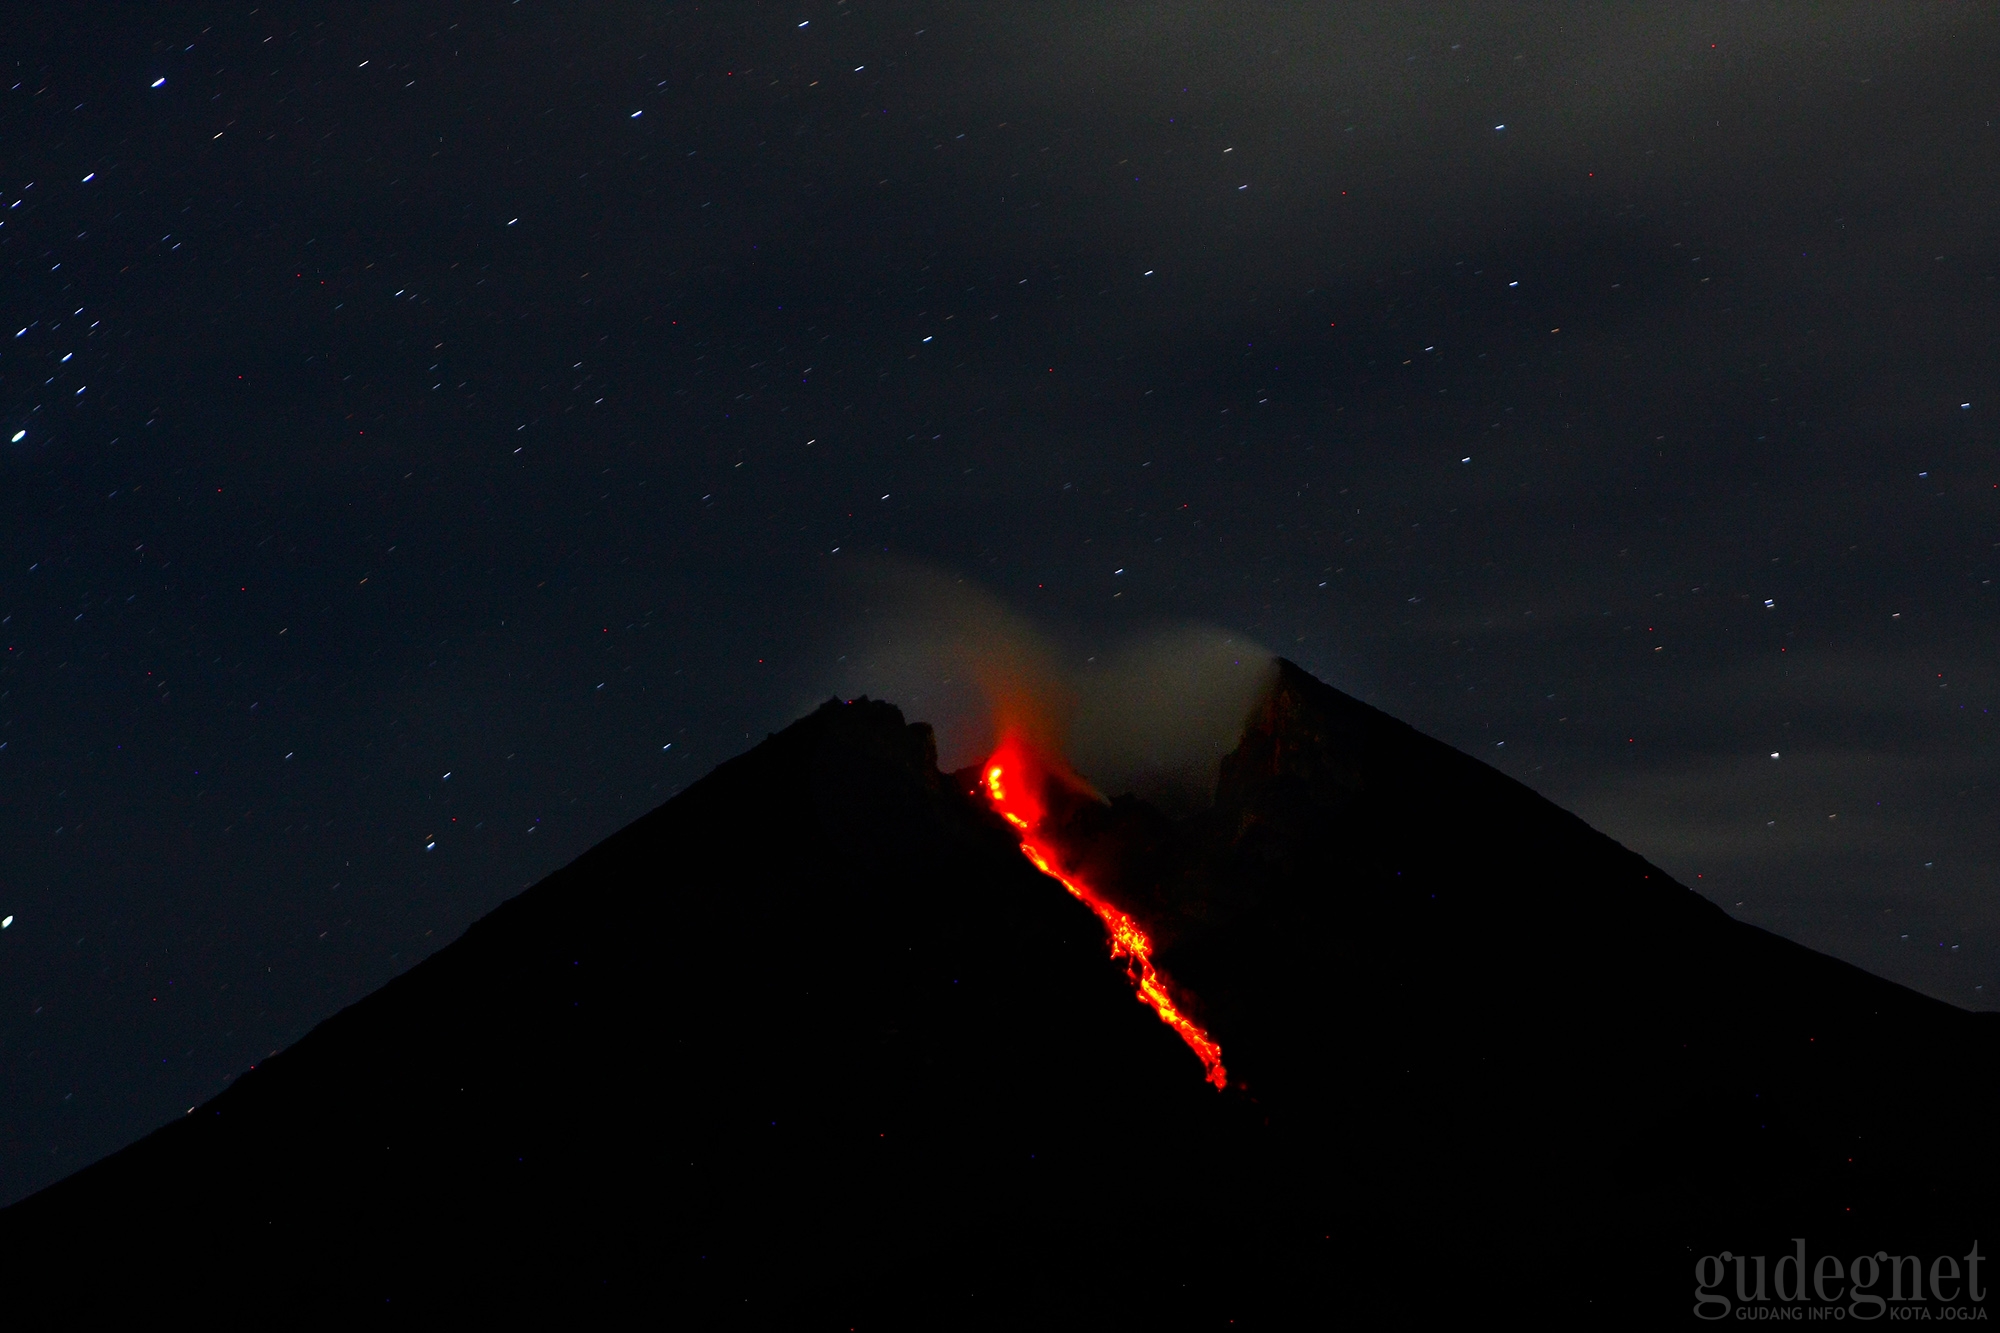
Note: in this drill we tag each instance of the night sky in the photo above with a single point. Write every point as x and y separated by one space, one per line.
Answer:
432 440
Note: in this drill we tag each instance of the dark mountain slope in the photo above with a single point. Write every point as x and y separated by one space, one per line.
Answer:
813 1046
1461 1004
812 1037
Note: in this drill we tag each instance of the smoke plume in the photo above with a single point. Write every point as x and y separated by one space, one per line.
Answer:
1149 713
1158 712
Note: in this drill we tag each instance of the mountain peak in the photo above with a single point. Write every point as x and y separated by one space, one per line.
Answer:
815 1042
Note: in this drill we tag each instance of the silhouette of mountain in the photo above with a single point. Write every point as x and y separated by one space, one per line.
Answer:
813 1045
1508 1033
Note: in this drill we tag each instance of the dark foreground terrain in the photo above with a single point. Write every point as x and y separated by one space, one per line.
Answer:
813 1046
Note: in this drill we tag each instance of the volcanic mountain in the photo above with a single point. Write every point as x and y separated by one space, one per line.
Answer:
815 1045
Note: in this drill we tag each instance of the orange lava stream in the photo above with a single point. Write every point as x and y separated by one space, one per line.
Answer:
1020 805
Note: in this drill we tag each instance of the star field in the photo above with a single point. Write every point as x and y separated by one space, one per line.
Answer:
432 440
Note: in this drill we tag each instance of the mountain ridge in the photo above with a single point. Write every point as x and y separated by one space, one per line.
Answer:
813 1042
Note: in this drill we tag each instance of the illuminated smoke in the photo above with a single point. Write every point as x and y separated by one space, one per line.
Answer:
952 655
1151 714
1156 715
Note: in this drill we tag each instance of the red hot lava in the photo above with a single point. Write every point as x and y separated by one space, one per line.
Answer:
1015 780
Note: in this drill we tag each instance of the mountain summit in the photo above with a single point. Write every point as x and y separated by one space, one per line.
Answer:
815 1044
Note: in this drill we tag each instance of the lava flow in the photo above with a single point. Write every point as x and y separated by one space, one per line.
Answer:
1013 784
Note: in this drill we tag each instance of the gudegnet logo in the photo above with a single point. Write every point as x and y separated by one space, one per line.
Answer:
1881 1285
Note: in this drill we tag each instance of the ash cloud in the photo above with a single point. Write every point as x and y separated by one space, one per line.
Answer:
1156 715
1151 713
948 653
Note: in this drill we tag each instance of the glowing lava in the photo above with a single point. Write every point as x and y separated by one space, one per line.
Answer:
1014 785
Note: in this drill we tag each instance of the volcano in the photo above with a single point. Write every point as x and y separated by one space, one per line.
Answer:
815 1044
